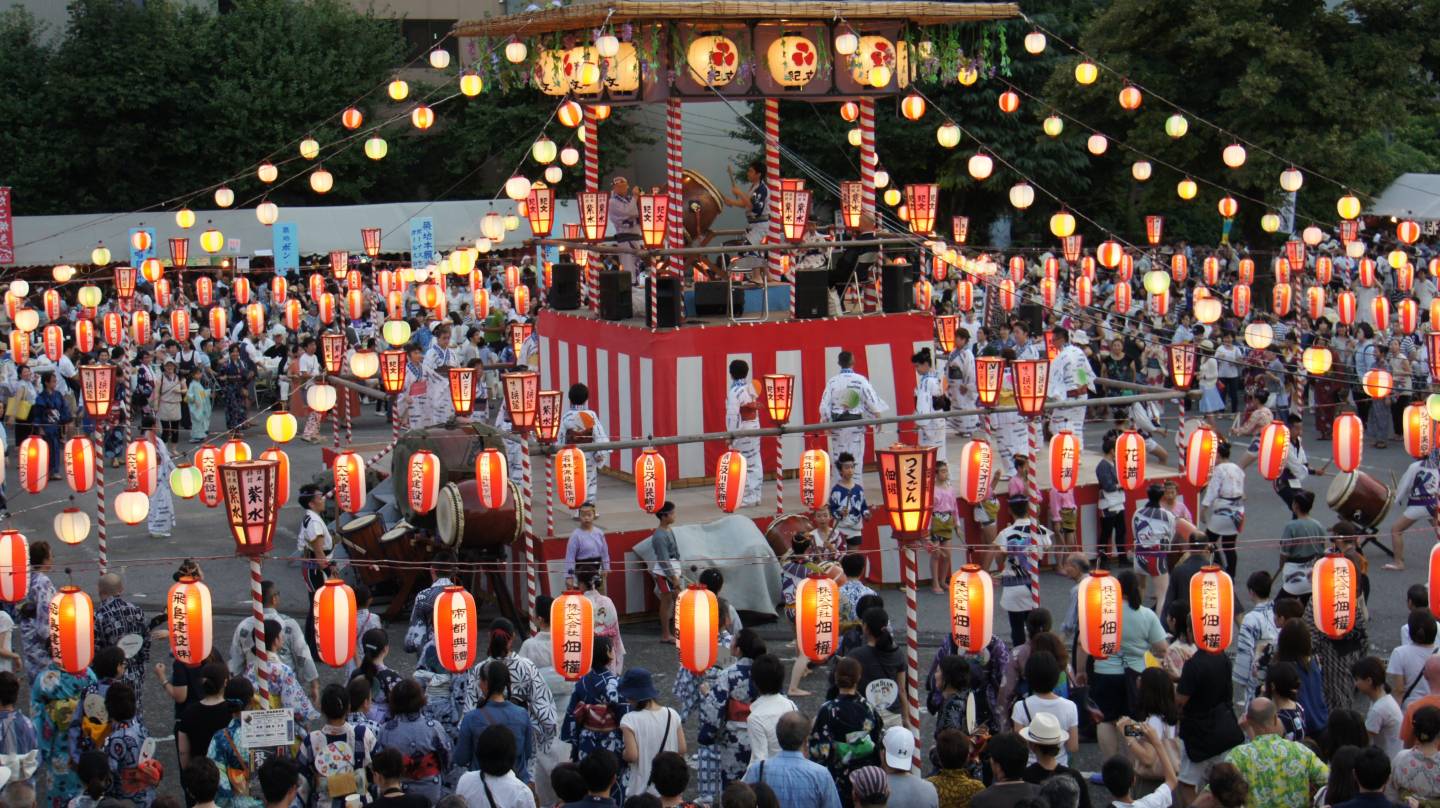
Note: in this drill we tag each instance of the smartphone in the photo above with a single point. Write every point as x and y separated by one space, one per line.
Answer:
1133 731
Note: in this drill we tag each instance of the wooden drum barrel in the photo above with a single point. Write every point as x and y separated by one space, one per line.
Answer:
363 532
456 450
462 522
783 529
1360 498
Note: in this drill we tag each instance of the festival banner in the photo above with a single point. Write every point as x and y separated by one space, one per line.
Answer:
422 241
287 247
7 228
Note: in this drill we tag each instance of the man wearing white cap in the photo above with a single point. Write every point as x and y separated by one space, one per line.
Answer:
906 787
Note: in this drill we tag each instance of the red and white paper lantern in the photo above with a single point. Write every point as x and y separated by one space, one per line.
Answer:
815 476
1130 459
1274 450
454 623
817 618
1212 609
189 617
79 464
1098 614
335 623
422 485
142 467
972 609
1200 452
72 630
1064 460
14 566
1347 444
975 472
1335 590
572 635
650 482
570 477
350 489
34 463
729 480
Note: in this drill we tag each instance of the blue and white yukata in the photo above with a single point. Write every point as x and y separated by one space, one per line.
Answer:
732 689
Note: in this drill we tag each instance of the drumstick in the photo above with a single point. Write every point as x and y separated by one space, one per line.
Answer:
353 546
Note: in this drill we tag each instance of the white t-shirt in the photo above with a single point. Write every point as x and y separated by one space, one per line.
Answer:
1408 662
652 737
508 791
7 633
311 527
1383 721
1024 712
1159 798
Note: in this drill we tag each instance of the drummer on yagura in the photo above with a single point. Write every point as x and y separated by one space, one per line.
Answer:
586 549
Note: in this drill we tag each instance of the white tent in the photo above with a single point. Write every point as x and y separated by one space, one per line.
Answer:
1412 196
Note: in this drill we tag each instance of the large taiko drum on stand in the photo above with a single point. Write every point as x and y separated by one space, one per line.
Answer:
783 529
1360 498
462 522
702 206
362 537
455 448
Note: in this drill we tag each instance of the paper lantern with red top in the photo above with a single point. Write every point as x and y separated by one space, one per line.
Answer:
974 474
1182 364
1098 614
422 481
1380 310
697 622
1006 293
1407 231
1295 253
53 338
219 320
1347 441
251 503
1201 450
191 624
814 474
462 389
180 324
207 459
1378 383
492 478
1345 307
1123 298
1130 460
729 480
1280 301
34 463
1324 269
1335 588
112 325
907 487
570 477
1212 609
14 566
817 617
650 480
335 623
454 625
1407 315
282 474
1240 300
572 635
350 488
1031 380
1418 430
1315 302
142 466
945 326
972 609
1064 461
1210 270
522 398
989 371
1274 450
279 289
326 308
79 462
1365 271
72 630
293 314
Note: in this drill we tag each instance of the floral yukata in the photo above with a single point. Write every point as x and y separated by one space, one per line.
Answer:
723 727
55 698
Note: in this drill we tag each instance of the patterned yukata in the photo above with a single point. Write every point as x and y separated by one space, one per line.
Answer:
993 664
116 618
55 699
422 616
198 397
528 689
444 691
232 392
730 738
364 621
285 690
596 687
35 629
850 594
123 747
17 736
690 693
232 758
425 748
846 736
162 506
792 572
335 745
79 742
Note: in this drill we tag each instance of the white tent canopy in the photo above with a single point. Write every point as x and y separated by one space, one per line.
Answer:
1412 196
69 239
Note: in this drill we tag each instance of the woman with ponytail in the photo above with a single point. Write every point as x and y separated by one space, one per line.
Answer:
374 647
527 689
881 660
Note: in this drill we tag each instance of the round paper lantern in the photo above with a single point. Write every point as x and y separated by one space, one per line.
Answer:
72 630
72 526
817 617
320 397
1098 614
1141 170
335 623
697 619
1009 101
1347 441
1062 224
79 462
1417 430
281 426
142 466
132 506
1334 586
1348 206
350 489
973 476
1274 450
1208 310
1130 97
572 635
1130 460
188 614
492 478
972 608
1200 453
1378 383
1407 231
729 480
948 135
815 475
570 477
1064 460
980 165
1097 144
454 624
14 566
185 481
34 464
422 485
650 480
1317 360
1212 609
1176 126
714 60
1086 72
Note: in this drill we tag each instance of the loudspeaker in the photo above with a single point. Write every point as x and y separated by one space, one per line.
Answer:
615 296
812 293
896 288
565 286
1032 315
710 298
671 302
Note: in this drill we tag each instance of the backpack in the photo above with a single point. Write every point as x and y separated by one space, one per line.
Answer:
339 770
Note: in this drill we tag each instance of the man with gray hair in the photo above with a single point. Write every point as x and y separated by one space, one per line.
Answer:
1281 773
120 622
795 779
1060 791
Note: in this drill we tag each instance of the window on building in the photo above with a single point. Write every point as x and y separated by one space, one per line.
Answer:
421 37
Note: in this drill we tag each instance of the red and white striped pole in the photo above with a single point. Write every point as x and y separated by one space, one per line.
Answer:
772 181
349 429
868 160
549 499
262 657
779 475
1032 492
100 505
591 134
335 424
910 573
532 578
675 182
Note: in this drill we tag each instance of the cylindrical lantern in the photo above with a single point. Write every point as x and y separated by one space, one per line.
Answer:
1064 460
1417 431
570 476
422 485
249 490
350 488
72 630
1130 460
282 474
188 614
815 479
79 462
650 480
1212 609
697 618
817 617
779 396
34 463
729 480
1201 449
1098 614
572 635
142 466
492 478
1335 588
1347 441
14 566
1274 450
335 623
907 481
973 477
72 526
454 624
972 609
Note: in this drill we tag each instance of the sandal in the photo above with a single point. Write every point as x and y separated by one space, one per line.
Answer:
1395 567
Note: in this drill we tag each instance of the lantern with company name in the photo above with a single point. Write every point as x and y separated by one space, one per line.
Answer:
654 217
97 387
1418 430
79 462
594 208
650 480
907 482
1315 302
570 477
249 490
53 338
492 479
1130 459
1064 460
14 566
1201 449
188 615
814 478
454 623
945 326
1182 364
1031 379
697 620
180 324
462 389
34 463
422 481
1274 450
972 609
72 630
1212 609
219 320
817 617
540 209
989 370
332 351
975 472
392 370
207 460
112 327
572 635
1098 614
1335 585
729 480
1280 298
1122 297
335 623
794 213
350 488
852 203
548 414
1240 300
921 200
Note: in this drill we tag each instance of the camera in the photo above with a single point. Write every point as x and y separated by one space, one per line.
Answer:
1133 731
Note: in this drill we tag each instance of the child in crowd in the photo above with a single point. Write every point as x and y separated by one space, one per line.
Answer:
944 525
847 502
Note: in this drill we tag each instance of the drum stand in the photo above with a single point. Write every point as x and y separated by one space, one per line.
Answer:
1372 536
493 566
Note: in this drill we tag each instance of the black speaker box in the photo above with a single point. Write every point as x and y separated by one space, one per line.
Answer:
671 302
615 296
710 299
812 293
896 288
565 286
1032 315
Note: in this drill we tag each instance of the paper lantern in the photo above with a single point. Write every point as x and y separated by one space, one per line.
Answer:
1064 460
422 482
1122 297
1182 364
650 480
335 623
1317 360
280 426
814 473
142 466
697 621
1335 586
1380 310
974 474
207 459
1347 441
350 488
1009 101
817 617
570 477
282 474
1407 231
1274 450
972 609
72 630
492 478
1201 450
132 506
1378 383
1098 614
185 481
779 396
1212 609
320 397
454 624
85 338
729 480
907 483
462 389
219 321
1417 430
72 526
1031 382
1407 313
1348 206
1280 298
113 327
794 60
14 566
1130 460
989 370
959 228
34 464
1345 307
1315 302
188 615
79 462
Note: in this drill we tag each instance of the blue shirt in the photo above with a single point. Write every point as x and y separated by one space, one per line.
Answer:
795 780
506 714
